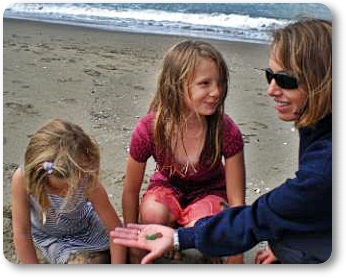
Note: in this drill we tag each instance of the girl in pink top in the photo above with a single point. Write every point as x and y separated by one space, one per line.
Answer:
198 149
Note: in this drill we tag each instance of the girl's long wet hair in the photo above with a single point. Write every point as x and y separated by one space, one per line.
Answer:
168 103
75 157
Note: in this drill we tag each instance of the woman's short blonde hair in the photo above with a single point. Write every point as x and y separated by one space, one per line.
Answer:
304 49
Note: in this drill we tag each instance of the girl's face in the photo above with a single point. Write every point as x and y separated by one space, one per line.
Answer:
290 103
204 89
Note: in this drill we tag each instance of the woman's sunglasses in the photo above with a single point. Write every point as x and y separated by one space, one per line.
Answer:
282 80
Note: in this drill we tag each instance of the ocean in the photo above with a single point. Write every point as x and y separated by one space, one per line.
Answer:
250 22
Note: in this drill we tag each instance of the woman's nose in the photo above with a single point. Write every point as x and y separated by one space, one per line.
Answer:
273 89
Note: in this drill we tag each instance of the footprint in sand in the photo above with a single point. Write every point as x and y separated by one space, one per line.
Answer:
21 108
254 126
92 72
107 67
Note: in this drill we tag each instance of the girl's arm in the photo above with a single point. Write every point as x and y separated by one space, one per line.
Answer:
235 179
132 185
130 200
21 223
100 201
235 186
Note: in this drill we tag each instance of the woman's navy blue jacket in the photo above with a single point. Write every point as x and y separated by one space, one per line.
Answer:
295 218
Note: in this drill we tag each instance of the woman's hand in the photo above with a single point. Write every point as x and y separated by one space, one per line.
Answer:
157 239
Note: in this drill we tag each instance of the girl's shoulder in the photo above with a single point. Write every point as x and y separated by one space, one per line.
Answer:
228 122
18 184
148 118
142 138
145 124
18 175
232 137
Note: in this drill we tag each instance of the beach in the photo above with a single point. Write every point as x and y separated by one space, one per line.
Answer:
104 81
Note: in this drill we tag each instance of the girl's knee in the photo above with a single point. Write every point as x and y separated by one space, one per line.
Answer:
154 212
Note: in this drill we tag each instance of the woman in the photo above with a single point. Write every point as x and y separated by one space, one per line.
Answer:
295 217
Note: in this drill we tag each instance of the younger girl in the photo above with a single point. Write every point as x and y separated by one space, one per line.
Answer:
198 149
58 203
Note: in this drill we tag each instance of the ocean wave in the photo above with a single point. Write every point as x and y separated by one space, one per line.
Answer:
202 20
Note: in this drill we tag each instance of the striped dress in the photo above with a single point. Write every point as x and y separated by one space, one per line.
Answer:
68 229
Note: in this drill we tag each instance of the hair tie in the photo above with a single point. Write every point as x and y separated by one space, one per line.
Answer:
48 167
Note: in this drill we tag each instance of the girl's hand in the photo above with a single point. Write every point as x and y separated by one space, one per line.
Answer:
265 257
157 239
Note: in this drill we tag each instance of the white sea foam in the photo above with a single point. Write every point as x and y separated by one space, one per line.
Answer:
227 22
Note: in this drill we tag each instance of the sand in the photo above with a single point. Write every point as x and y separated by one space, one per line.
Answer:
104 81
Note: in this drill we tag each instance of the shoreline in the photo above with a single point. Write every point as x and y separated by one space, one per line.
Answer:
104 80
138 31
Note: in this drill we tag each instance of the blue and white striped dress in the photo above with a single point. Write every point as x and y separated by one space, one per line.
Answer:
68 228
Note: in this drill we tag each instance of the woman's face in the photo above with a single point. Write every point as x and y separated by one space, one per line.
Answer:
289 103
204 89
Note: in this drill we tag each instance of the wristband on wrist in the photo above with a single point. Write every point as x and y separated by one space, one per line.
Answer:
176 246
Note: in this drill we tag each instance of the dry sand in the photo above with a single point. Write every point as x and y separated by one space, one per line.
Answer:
104 81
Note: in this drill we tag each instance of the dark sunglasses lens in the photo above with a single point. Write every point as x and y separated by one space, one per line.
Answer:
286 82
269 75
282 80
